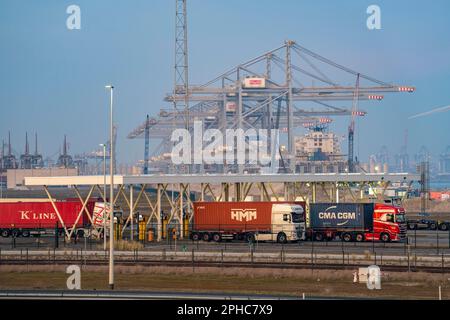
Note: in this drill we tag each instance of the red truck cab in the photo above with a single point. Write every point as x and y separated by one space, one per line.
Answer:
389 223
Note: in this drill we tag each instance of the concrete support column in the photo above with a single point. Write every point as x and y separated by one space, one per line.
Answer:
313 186
180 213
237 192
261 192
158 215
132 213
337 192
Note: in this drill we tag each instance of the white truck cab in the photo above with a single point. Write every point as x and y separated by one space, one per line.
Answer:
288 224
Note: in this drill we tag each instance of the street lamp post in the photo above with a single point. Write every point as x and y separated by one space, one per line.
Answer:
111 193
104 195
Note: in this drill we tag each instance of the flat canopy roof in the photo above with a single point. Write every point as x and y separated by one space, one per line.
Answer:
220 178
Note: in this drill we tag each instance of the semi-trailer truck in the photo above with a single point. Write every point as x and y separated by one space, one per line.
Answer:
36 217
356 222
249 221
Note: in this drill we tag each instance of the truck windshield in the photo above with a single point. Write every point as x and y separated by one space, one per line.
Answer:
400 218
297 217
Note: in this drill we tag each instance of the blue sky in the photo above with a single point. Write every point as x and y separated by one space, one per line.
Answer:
52 79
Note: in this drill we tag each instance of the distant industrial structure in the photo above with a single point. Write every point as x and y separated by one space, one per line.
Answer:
13 171
319 150
15 166
444 165
8 159
65 160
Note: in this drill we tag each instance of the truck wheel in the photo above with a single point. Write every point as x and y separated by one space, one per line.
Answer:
5 233
385 237
281 238
25 233
217 237
80 233
318 236
359 237
206 237
15 233
443 227
250 238
195 237
347 237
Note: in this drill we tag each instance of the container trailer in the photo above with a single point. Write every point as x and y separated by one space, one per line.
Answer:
356 222
249 221
25 218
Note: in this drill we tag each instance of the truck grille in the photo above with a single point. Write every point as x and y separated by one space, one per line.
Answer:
403 230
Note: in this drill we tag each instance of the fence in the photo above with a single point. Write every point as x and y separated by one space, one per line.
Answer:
144 234
251 259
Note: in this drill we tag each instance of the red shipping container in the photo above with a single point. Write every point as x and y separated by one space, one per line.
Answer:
234 216
34 215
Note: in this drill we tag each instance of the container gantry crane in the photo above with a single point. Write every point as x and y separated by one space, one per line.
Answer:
231 101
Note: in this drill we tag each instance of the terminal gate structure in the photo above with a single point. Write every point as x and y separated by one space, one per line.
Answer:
218 187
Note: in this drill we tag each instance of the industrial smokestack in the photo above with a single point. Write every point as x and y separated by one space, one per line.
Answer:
27 147
9 143
36 144
65 145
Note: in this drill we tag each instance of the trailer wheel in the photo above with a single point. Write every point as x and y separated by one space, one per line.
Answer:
217 237
359 237
206 237
385 237
281 238
250 237
195 236
80 233
5 233
347 237
412 226
25 233
15 233
443 227
318 236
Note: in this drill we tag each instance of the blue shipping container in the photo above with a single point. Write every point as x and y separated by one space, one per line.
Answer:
355 216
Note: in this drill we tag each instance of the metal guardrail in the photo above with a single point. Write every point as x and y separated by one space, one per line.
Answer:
127 295
345 260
